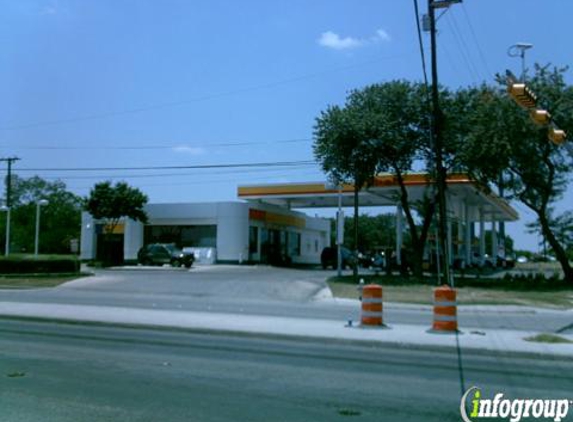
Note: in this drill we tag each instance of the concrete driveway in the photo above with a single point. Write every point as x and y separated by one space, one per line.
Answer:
224 281
263 291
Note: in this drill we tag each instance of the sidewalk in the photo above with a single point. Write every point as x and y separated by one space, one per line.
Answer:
501 341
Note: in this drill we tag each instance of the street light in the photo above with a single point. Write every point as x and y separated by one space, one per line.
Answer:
7 247
40 203
518 50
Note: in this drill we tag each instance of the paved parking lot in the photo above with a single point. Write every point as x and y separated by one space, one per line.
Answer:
262 291
225 281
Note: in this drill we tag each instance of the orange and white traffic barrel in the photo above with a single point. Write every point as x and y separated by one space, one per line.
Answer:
371 314
445 310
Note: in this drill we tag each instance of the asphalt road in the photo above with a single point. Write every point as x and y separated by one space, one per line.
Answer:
51 372
261 291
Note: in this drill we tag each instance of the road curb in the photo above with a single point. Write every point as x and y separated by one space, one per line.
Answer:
287 337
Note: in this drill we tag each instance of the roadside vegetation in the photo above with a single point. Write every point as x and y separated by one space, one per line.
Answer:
35 281
109 204
60 218
42 264
548 338
384 128
21 271
524 290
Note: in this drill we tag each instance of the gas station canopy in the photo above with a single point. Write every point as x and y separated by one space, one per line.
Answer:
464 196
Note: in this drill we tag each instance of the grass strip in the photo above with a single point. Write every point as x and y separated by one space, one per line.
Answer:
548 338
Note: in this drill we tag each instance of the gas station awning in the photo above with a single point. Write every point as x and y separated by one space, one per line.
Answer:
462 193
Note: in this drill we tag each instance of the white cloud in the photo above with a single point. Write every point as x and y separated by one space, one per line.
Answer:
382 35
185 149
332 40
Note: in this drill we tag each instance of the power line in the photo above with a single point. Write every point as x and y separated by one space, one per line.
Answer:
450 60
156 175
421 43
172 104
475 38
200 166
477 71
191 183
463 48
159 147
460 41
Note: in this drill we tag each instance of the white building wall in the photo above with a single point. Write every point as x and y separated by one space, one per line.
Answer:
314 238
232 221
312 243
132 240
232 231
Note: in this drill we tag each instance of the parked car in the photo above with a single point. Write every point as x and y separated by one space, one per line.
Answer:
379 260
329 257
365 260
522 259
164 253
507 262
542 258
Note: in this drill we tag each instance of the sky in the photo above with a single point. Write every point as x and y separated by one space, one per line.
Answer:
141 83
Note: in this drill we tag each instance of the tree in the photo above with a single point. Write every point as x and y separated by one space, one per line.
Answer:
373 231
562 227
60 218
382 128
110 204
341 145
502 137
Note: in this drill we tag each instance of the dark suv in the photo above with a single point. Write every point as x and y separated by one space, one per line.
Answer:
328 257
164 253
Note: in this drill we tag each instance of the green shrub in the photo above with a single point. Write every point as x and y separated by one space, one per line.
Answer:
525 282
517 282
39 265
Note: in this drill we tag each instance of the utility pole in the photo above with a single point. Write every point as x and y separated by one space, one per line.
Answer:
438 144
9 179
516 50
9 161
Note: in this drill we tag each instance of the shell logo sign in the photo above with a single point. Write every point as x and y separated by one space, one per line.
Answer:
276 219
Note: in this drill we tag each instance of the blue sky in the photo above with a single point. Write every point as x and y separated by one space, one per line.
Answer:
122 83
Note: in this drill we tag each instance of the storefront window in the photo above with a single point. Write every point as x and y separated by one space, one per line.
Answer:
294 244
182 236
253 240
